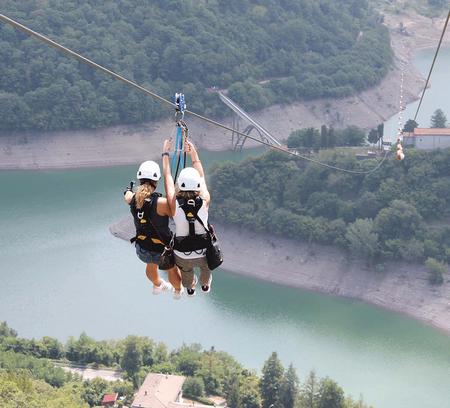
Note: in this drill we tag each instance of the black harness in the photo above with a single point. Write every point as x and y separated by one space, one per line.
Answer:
193 241
152 230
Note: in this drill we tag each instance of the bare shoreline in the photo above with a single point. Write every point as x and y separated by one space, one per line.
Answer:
126 145
402 288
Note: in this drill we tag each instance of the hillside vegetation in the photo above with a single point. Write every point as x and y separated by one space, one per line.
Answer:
399 212
263 52
28 379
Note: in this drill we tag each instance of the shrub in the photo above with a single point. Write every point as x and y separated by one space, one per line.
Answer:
436 271
194 387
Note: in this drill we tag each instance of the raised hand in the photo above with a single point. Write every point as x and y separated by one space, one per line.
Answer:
167 146
189 148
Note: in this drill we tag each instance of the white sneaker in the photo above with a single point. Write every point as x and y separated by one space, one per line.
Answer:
177 294
191 292
163 287
207 288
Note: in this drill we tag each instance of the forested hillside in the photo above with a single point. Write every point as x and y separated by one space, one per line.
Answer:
29 379
399 212
262 51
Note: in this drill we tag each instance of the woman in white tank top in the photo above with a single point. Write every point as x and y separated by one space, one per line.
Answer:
189 202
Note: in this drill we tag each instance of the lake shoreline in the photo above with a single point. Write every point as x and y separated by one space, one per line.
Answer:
127 145
401 288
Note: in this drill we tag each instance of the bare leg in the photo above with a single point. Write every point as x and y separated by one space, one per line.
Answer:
152 274
175 278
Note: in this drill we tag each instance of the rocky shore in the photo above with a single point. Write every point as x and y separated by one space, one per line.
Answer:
400 287
120 145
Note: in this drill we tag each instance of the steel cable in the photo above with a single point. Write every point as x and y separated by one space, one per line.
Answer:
116 76
432 64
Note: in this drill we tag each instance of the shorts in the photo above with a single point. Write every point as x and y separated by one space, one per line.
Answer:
147 256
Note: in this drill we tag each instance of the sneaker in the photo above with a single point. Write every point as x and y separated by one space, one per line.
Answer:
207 288
163 287
177 294
191 292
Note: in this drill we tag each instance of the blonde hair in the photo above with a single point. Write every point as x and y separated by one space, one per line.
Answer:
187 195
143 192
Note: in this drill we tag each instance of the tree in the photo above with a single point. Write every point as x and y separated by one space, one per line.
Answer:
436 271
399 220
380 130
21 390
438 120
410 125
323 136
352 136
272 382
233 391
249 392
188 359
309 393
367 205
373 136
132 356
331 138
194 387
290 388
53 348
6 331
362 240
93 391
330 395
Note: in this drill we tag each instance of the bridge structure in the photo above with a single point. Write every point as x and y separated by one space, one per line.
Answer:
237 139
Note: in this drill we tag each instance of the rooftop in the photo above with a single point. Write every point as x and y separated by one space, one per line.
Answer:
108 398
431 132
158 391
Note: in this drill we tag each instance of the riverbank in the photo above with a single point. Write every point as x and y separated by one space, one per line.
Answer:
400 287
120 145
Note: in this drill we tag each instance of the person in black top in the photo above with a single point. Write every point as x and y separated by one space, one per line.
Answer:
151 218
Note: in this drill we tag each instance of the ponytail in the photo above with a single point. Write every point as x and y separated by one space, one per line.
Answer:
143 192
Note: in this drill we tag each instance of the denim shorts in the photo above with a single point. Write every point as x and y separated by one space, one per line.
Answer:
147 256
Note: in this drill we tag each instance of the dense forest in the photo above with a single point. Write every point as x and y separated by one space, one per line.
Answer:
30 375
261 51
399 212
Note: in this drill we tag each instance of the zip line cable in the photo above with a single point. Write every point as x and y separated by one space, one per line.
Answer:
283 150
116 76
79 57
432 64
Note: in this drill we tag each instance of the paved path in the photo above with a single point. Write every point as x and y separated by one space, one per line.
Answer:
90 373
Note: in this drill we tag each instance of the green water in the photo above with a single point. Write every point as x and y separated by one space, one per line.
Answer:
62 273
436 97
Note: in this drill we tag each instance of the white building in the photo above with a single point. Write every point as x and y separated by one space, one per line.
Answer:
162 391
428 139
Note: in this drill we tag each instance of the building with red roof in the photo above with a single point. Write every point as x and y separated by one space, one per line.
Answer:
109 400
428 138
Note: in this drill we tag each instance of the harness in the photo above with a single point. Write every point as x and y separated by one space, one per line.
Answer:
152 230
193 241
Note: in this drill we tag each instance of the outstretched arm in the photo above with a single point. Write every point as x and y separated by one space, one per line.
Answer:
169 185
197 165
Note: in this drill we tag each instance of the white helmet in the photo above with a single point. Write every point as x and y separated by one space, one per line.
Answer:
149 170
189 179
